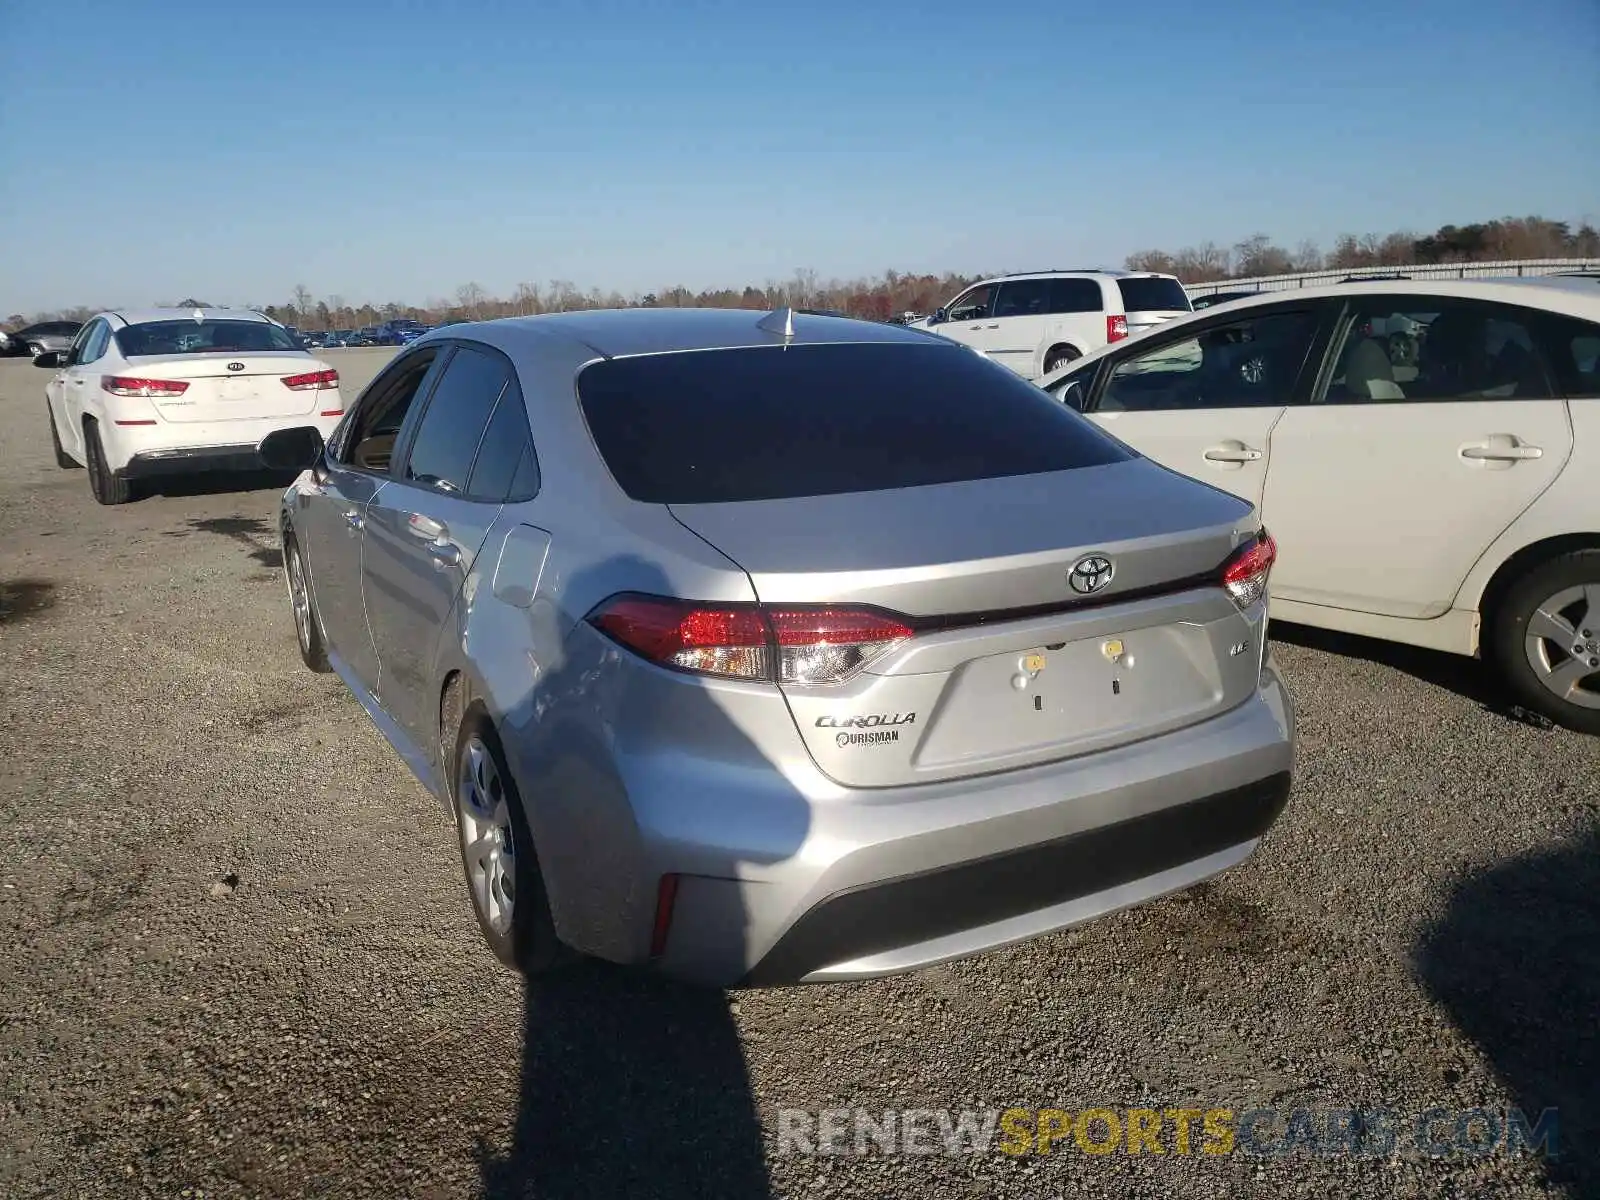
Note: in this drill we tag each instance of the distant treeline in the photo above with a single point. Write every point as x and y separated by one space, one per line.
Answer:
887 295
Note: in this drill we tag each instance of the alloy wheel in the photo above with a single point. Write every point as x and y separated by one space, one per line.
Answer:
488 845
1563 645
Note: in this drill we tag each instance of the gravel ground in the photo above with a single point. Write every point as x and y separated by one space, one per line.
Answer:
239 957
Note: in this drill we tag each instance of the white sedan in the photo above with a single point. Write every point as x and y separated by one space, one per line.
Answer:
166 391
1425 452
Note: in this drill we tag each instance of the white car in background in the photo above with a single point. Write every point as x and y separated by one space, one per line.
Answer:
1037 322
1425 452
167 391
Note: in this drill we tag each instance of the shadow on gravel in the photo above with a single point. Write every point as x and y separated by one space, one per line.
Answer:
212 483
1466 677
1516 962
252 532
631 1087
21 599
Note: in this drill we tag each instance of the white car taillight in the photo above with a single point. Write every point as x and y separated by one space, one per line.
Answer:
149 389
772 644
1244 575
312 381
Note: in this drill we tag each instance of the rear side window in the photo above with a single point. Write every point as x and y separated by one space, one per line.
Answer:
501 471
1156 294
774 423
1076 296
447 441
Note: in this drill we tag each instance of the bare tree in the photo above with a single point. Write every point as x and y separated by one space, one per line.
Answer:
1307 256
1201 264
471 297
302 301
1151 260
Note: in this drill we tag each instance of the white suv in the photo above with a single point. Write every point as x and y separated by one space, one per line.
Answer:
1039 321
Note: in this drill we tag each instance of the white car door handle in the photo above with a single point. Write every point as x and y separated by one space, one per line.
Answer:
1232 454
1493 452
352 518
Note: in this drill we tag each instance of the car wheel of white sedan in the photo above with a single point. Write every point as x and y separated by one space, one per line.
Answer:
63 460
107 486
1547 640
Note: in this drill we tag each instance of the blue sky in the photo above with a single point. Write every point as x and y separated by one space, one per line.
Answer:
397 151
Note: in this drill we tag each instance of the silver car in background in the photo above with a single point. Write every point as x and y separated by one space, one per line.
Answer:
784 648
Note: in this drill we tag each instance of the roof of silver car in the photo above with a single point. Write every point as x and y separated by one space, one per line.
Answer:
619 332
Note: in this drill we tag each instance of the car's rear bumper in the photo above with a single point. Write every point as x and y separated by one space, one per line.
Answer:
785 877
184 448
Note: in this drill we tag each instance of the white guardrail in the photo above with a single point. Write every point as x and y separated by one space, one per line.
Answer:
1476 270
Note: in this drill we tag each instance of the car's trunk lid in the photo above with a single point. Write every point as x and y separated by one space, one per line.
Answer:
1010 665
233 386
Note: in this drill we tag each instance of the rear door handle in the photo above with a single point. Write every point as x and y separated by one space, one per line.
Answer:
1502 447
1235 452
444 554
353 519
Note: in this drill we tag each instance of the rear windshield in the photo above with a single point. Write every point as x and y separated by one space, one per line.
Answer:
773 423
202 337
1153 295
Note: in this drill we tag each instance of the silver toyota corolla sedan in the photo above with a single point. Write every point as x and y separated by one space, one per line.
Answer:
782 648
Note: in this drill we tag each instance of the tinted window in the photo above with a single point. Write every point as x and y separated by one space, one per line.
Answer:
1075 296
1253 361
203 337
773 423
447 440
1577 356
367 440
1414 348
1023 298
1153 295
973 305
99 337
504 448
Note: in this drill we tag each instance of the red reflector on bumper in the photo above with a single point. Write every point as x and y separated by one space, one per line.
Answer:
666 894
333 412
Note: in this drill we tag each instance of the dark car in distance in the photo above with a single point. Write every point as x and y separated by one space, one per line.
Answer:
39 338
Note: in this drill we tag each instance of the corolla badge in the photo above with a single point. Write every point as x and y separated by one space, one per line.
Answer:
1090 574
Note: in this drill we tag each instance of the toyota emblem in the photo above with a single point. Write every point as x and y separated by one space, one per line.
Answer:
1090 574
235 366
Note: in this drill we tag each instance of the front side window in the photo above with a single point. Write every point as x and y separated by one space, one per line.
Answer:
99 338
1245 363
458 412
1432 350
152 338
80 343
367 442
973 305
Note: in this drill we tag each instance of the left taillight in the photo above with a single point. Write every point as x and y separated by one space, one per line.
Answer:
312 381
1244 575
769 644
1116 328
128 385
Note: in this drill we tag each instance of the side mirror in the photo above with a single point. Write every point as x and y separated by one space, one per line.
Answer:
1071 395
290 449
53 359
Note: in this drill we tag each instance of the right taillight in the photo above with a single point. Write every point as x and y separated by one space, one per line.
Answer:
808 644
1116 328
1245 573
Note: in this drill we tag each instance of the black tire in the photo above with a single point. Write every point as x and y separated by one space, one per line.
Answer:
63 460
528 943
307 623
107 485
35 349
1060 356
1509 635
